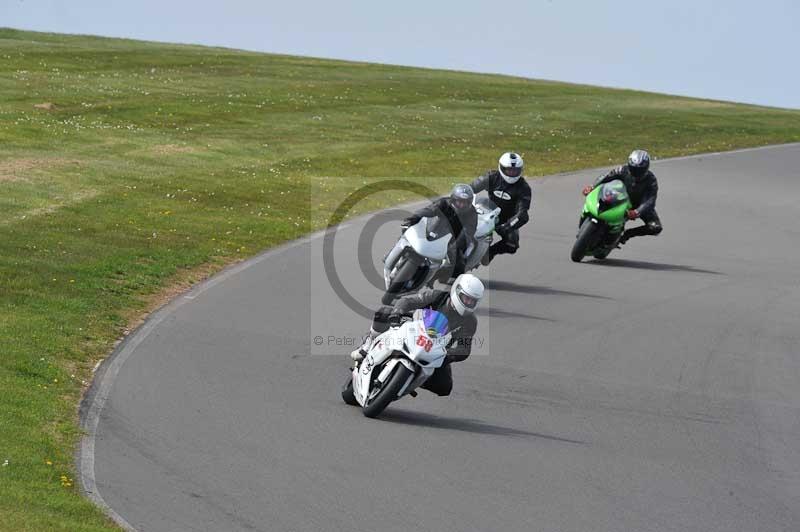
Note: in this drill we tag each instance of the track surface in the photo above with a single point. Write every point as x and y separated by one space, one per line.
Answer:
657 391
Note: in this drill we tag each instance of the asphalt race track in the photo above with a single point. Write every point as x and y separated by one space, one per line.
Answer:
656 391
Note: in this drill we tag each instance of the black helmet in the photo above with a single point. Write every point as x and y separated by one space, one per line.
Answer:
638 163
461 197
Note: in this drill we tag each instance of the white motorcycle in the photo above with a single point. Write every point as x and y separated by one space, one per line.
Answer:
416 257
398 362
420 256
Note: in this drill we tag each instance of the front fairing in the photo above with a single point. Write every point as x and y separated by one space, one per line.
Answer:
429 238
488 213
614 216
592 203
608 202
426 351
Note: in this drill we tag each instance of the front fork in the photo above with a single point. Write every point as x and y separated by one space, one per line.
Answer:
611 236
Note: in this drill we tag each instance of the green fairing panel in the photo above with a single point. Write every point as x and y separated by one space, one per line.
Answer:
614 216
592 202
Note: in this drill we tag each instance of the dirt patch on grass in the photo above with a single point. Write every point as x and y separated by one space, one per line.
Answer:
83 195
17 169
47 106
169 149
51 208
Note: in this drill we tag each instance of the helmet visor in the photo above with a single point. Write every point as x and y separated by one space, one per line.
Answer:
461 203
467 300
512 171
638 171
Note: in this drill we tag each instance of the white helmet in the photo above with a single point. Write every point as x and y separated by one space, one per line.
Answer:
466 293
510 167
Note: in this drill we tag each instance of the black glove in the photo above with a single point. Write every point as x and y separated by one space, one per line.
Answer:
503 229
397 319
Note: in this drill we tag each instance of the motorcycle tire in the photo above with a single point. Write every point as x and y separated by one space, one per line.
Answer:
586 237
404 273
347 392
388 392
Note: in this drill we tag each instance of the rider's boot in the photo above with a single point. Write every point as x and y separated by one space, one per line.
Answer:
641 230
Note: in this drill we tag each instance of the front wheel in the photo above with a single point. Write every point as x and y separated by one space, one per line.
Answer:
404 273
584 240
375 404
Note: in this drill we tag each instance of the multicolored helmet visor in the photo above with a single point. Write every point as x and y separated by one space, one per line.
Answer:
435 323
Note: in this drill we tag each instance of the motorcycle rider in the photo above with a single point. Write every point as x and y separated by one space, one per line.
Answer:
642 187
511 192
461 215
457 304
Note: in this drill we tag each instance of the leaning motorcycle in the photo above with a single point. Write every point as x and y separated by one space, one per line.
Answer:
488 213
602 221
416 257
398 362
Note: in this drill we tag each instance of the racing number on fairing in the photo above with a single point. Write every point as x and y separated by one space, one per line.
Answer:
424 343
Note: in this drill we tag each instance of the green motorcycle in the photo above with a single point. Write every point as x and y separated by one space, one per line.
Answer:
602 222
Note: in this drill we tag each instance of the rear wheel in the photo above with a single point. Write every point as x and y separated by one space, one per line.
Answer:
585 239
377 403
405 272
347 392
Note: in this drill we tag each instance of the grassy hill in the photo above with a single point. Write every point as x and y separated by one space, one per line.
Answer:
129 167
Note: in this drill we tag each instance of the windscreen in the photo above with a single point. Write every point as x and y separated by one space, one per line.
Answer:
485 203
437 227
613 193
435 323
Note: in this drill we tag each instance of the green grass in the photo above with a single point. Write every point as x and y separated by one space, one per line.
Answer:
158 159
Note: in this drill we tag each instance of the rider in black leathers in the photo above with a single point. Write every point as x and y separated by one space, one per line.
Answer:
642 187
461 320
511 192
462 218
